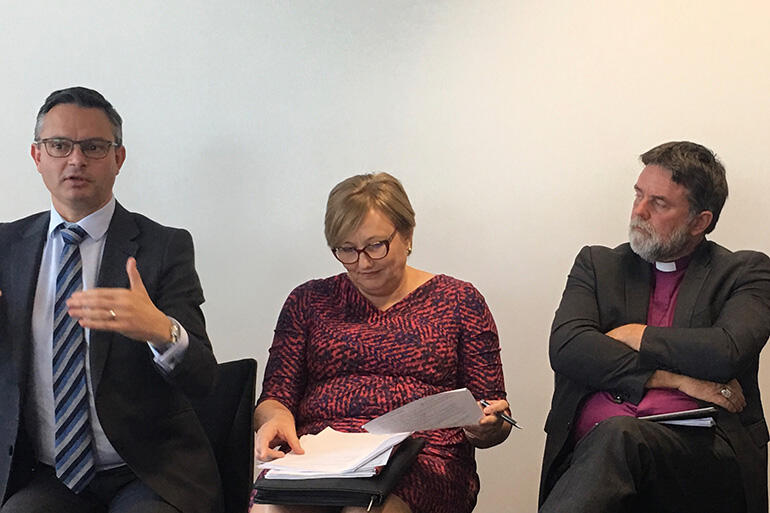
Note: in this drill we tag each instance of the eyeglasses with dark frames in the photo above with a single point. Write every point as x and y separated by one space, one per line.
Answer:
375 251
60 147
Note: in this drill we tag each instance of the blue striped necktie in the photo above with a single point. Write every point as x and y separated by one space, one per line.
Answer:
73 440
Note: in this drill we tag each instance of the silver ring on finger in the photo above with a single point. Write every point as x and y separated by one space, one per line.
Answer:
726 392
113 315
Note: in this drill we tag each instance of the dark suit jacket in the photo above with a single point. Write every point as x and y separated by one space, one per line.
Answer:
721 323
145 415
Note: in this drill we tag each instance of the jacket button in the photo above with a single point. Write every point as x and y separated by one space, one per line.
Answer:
616 398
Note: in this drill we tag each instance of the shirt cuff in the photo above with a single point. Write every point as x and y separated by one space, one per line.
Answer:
169 356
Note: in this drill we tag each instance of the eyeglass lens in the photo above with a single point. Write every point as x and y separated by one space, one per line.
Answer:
91 148
374 251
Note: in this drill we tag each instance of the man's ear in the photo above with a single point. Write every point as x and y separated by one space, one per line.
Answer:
34 151
120 157
701 222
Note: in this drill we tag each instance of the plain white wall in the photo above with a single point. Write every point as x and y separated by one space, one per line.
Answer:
514 127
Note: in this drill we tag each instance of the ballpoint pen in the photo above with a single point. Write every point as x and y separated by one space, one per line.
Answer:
502 415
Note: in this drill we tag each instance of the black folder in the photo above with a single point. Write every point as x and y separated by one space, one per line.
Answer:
698 413
355 491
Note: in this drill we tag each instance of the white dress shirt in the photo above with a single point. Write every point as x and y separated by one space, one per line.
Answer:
40 408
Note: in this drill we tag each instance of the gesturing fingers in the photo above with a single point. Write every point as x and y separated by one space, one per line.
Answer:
134 278
95 299
99 305
130 311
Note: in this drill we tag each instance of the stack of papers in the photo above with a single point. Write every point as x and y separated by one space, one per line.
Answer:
331 453
704 422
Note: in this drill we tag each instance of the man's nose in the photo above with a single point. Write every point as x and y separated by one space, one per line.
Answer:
640 209
77 158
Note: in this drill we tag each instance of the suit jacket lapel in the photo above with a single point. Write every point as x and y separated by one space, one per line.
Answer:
692 283
120 244
25 268
637 288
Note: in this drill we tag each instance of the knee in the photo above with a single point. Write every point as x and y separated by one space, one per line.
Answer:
620 424
617 446
617 435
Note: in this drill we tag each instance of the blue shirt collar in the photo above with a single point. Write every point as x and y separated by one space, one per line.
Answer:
95 224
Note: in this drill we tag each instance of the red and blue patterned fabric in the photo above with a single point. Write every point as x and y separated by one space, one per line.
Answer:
338 361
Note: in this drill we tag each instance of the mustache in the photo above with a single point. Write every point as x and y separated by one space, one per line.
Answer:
640 224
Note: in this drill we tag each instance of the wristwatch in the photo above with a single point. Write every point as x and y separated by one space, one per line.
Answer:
174 331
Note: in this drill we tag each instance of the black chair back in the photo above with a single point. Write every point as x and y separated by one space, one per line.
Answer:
227 416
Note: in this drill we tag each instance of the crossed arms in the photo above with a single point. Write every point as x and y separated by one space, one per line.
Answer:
597 343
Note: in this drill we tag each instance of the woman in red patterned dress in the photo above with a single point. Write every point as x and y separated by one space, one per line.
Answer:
354 346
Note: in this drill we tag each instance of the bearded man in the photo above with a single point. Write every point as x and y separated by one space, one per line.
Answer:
668 322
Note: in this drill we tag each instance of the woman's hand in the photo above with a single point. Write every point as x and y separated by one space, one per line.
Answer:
274 426
491 429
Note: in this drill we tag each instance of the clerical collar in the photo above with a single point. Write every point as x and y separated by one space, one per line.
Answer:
678 264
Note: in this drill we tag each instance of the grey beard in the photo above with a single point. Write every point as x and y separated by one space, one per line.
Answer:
651 246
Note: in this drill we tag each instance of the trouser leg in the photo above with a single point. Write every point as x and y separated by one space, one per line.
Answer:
45 493
123 492
137 497
628 465
116 490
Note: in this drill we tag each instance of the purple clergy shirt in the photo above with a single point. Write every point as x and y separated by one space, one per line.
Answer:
666 279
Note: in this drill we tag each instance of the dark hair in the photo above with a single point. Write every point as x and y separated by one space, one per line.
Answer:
698 170
82 97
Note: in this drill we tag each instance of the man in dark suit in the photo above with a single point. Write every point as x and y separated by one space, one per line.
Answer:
98 359
667 322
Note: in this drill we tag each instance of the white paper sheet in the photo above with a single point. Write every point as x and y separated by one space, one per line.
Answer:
448 409
368 469
331 452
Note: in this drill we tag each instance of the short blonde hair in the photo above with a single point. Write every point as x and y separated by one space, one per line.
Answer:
351 199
